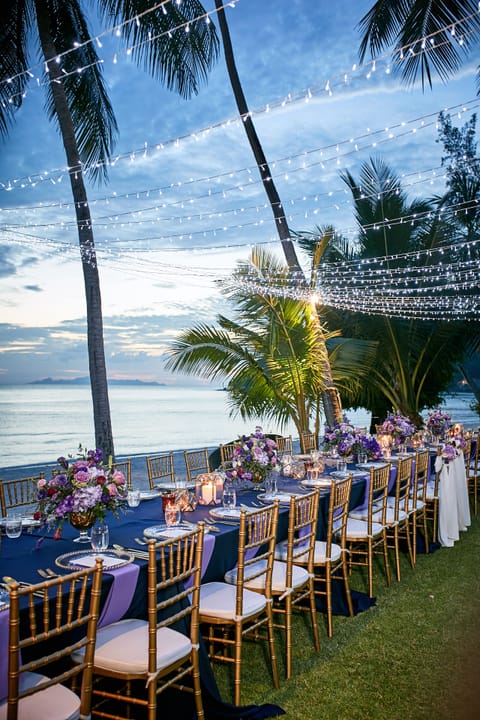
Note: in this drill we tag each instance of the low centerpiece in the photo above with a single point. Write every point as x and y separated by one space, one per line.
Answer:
399 427
80 491
254 456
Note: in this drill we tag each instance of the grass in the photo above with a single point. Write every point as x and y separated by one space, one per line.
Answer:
414 655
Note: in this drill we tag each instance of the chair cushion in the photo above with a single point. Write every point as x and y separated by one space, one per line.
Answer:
123 647
217 599
54 703
358 529
319 557
279 575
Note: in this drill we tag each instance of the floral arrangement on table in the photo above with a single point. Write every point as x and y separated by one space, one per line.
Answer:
438 422
80 487
254 456
341 439
399 427
368 445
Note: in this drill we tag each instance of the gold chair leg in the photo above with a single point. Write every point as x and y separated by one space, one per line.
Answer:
271 643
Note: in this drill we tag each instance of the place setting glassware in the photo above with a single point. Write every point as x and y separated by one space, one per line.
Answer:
133 498
99 537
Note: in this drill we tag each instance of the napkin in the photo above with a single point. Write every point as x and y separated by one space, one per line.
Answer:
89 560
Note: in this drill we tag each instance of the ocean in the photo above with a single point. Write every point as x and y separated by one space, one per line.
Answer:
38 423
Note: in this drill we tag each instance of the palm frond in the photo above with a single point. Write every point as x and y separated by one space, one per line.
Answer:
14 59
181 57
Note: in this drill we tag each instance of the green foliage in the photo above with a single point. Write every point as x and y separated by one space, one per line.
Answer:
270 352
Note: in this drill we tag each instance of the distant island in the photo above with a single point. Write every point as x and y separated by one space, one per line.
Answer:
86 381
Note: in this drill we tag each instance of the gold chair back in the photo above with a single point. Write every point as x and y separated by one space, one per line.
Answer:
196 462
226 455
284 445
66 616
308 442
125 467
18 493
160 467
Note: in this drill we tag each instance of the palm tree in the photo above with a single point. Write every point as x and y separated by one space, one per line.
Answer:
415 358
77 101
453 25
268 353
330 397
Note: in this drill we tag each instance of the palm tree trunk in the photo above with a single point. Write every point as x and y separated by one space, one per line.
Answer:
96 351
330 398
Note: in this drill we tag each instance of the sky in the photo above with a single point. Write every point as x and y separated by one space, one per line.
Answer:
183 203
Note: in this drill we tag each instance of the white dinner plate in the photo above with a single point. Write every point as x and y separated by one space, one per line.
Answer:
302 457
368 465
27 521
283 497
341 475
225 513
178 485
150 494
81 559
163 531
324 481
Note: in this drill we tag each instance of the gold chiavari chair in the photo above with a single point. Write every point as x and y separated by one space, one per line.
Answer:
397 517
366 533
308 442
18 493
472 471
125 467
231 612
226 454
196 462
432 499
62 622
284 445
160 652
330 556
417 506
292 584
160 467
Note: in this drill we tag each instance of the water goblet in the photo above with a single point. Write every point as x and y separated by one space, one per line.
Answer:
362 458
342 466
133 498
229 496
99 537
173 515
13 526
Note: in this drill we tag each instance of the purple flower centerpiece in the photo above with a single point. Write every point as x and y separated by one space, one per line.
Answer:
369 446
438 423
399 427
254 456
81 491
340 439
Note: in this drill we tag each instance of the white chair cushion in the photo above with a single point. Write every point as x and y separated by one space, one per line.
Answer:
54 703
217 599
279 574
359 529
123 647
319 557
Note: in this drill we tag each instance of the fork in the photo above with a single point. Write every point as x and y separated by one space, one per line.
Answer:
47 573
140 541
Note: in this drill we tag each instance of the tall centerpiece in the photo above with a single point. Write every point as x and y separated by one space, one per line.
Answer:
438 423
81 491
340 439
254 456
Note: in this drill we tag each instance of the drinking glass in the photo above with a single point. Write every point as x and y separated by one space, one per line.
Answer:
362 458
229 496
13 526
99 537
342 466
172 514
133 498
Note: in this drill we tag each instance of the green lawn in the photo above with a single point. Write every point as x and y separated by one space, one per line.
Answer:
416 654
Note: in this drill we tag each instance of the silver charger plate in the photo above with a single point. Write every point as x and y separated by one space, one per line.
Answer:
341 475
27 521
112 559
178 485
324 481
269 498
225 513
163 531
